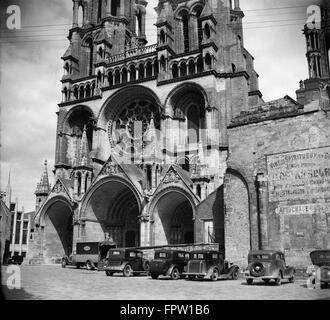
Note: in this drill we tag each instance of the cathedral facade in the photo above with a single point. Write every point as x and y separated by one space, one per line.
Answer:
172 143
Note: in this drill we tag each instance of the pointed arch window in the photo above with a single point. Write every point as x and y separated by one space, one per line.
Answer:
207 31
193 124
132 73
162 63
80 15
200 67
184 16
117 77
183 69
124 75
141 71
175 71
90 52
148 69
208 61
162 37
115 6
78 184
81 93
191 67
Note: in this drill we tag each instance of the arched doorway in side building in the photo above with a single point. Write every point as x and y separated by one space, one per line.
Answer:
113 207
172 216
57 230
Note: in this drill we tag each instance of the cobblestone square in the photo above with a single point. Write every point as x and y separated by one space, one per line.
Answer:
56 283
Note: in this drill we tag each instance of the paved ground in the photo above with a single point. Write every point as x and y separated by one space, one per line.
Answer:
54 283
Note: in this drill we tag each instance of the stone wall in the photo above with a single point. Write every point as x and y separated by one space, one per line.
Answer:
290 158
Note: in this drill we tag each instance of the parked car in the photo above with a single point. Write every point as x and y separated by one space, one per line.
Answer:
268 265
89 254
16 260
168 263
126 261
320 270
210 265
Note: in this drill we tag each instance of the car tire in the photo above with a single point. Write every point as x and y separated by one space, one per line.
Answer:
89 265
63 263
249 281
191 277
278 281
235 274
145 265
108 273
215 275
127 271
154 275
175 274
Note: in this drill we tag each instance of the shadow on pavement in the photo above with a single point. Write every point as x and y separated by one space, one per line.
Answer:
16 294
264 284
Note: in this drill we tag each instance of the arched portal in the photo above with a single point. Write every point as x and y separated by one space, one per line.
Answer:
113 207
173 219
58 230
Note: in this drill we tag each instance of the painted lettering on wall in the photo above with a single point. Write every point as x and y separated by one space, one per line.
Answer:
302 175
13 17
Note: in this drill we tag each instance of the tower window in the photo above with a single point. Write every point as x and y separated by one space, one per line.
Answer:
193 124
132 73
185 30
76 93
200 67
162 64
110 79
162 37
148 69
78 184
117 77
99 10
175 71
81 93
88 91
208 61
191 67
80 16
115 6
183 69
207 31
141 71
124 75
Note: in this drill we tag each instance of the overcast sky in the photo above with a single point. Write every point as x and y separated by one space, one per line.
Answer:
31 70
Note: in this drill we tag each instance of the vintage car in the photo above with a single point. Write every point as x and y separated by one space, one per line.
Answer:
319 271
168 263
127 261
89 254
268 265
205 264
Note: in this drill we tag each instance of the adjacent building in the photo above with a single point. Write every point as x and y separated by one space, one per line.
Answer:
172 143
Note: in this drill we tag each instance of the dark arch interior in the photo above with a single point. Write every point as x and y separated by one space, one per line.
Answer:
116 208
176 218
58 230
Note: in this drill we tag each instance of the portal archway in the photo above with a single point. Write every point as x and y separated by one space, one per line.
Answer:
113 207
57 224
173 219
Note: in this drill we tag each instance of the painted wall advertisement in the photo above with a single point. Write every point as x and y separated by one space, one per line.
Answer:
303 176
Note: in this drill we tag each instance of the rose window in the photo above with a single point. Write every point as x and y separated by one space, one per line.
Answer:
128 130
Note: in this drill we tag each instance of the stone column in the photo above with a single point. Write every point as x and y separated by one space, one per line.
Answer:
262 194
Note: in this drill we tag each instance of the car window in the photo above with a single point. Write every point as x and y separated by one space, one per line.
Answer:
132 254
139 254
261 256
115 253
198 256
162 255
186 255
181 255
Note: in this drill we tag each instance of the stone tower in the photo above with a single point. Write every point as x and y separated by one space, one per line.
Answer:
43 188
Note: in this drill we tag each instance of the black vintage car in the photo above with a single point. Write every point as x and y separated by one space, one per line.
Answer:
168 263
320 270
18 259
210 265
126 261
268 265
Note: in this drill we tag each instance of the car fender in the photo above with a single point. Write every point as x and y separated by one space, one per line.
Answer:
232 269
170 269
123 265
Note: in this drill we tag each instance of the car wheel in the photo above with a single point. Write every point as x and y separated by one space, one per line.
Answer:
154 276
127 271
175 274
108 273
249 281
214 275
63 264
235 274
278 281
291 280
145 265
89 265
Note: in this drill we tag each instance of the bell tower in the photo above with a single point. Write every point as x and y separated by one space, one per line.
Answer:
317 34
